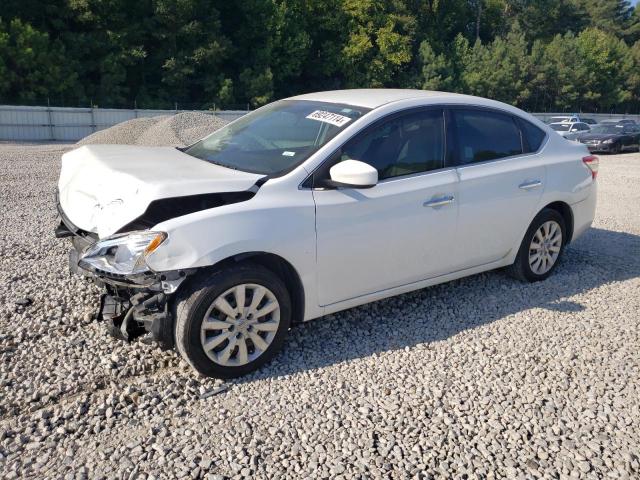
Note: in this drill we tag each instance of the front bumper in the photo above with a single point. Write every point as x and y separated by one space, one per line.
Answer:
127 318
132 305
599 147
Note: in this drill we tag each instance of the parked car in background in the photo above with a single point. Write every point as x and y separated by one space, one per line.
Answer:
565 129
589 121
574 118
619 121
610 138
312 205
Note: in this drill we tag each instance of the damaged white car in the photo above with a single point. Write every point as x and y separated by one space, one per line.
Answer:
312 205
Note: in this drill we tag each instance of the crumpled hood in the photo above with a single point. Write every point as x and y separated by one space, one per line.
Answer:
104 187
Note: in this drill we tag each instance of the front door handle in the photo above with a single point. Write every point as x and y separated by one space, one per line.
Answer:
439 201
530 185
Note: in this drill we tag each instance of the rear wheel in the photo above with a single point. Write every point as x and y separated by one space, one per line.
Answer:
541 247
233 321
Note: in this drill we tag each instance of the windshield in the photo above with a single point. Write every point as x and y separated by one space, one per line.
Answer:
608 129
276 138
560 127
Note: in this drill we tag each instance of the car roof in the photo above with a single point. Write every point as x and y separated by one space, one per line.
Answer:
376 97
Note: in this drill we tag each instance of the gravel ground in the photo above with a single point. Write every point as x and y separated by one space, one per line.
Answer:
479 378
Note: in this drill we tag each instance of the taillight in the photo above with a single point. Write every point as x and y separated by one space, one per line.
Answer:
592 162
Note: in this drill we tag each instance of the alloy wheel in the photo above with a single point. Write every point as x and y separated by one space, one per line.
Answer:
240 325
545 247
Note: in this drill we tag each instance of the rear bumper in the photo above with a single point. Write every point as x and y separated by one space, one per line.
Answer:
584 212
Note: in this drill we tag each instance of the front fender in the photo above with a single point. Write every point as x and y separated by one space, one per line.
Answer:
283 225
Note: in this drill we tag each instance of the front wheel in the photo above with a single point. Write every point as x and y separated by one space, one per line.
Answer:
233 321
541 247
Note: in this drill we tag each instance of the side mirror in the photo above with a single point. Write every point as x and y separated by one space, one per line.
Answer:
353 174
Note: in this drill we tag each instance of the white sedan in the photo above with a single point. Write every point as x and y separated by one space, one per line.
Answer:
312 205
570 129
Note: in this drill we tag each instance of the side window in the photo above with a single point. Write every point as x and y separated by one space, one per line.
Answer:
485 135
407 144
532 135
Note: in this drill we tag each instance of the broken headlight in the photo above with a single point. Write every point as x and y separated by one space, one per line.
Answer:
122 254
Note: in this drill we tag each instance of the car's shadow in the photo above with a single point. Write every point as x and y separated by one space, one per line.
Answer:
439 312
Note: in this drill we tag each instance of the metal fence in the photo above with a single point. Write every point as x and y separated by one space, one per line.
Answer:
18 123
598 117
71 124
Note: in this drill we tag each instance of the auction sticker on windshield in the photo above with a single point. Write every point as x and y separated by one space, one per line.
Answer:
329 117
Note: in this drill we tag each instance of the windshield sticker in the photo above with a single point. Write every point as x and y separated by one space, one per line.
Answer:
329 117
288 154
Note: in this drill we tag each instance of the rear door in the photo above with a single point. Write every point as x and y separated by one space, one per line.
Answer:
501 181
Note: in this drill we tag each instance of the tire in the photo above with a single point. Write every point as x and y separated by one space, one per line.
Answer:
522 268
201 298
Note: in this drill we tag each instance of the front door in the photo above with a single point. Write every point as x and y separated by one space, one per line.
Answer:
400 231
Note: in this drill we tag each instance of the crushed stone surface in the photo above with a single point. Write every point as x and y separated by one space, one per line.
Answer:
484 377
177 130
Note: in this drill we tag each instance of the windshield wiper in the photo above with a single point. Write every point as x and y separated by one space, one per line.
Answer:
220 164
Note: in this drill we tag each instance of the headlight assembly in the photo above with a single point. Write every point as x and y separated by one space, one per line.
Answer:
608 141
122 254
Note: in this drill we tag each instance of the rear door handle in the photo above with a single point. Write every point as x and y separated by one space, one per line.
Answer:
439 201
530 185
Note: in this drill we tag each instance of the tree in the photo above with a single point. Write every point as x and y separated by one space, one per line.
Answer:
537 54
542 19
379 42
500 69
444 71
32 67
612 16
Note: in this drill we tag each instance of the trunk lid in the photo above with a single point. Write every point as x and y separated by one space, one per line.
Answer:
104 187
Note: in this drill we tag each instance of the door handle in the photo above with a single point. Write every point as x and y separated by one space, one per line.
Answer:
530 185
439 201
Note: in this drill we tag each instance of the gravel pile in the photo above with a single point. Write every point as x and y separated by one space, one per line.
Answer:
177 130
484 377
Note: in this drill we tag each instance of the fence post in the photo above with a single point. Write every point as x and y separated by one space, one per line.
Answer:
51 135
93 119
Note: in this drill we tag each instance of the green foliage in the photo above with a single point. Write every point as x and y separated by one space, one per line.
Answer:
31 65
536 54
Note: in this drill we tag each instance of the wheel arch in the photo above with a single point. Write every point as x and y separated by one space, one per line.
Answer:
278 265
564 209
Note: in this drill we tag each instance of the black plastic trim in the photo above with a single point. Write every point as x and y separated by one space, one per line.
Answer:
164 209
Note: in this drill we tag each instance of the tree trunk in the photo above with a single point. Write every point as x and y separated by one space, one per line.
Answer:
478 15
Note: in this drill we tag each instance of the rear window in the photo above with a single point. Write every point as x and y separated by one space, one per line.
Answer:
533 136
485 135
